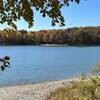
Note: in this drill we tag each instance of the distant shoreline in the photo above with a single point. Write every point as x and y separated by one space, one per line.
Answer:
49 45
52 45
76 36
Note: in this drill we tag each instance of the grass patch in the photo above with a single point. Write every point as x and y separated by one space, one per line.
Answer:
88 89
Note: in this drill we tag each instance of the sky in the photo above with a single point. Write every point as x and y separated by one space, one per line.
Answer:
87 13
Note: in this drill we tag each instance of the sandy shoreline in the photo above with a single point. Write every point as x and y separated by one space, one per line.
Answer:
31 91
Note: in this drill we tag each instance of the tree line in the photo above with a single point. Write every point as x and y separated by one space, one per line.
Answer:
69 36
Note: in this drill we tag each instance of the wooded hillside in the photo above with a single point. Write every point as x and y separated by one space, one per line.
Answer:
70 36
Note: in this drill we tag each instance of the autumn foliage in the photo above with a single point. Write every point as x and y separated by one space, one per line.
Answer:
14 10
70 36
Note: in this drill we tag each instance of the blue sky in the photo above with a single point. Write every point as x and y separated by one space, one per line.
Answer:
87 13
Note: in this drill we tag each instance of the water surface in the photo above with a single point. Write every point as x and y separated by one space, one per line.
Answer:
33 64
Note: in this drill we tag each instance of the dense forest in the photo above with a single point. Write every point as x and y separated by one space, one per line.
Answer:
69 36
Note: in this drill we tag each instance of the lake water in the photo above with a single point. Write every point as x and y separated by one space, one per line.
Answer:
33 64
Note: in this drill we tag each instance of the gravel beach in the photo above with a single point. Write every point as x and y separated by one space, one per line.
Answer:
31 91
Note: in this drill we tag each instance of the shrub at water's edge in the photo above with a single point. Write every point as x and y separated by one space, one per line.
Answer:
87 88
71 36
